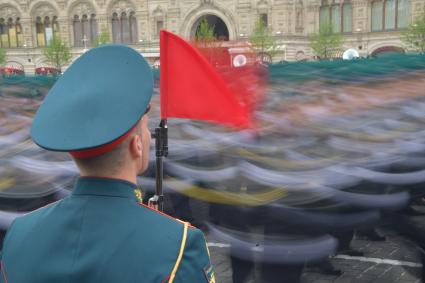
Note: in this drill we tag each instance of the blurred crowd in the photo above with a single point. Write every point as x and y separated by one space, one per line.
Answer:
337 150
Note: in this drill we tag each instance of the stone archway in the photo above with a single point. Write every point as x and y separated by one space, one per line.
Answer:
221 31
13 68
300 56
45 68
43 9
387 50
193 17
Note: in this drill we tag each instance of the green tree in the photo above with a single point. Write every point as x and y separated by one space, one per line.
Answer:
2 56
414 36
205 32
206 42
57 53
326 42
263 41
102 38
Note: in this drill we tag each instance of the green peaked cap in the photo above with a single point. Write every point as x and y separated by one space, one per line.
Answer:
99 98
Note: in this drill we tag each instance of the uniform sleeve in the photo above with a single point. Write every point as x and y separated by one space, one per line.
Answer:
4 245
196 264
1 271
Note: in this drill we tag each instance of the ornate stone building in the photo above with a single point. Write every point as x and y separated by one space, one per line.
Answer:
27 25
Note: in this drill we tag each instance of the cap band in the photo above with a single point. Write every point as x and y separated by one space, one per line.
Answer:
92 152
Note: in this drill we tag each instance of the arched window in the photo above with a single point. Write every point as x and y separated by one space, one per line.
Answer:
46 29
55 26
4 34
403 8
377 13
124 28
338 13
39 29
76 24
133 27
324 14
11 33
93 28
85 30
116 28
336 17
19 33
389 22
390 14
347 17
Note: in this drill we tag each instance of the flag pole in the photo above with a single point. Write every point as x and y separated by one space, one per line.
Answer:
161 150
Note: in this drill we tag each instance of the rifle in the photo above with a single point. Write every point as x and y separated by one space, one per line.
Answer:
161 150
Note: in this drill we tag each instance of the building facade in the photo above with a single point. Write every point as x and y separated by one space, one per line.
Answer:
27 25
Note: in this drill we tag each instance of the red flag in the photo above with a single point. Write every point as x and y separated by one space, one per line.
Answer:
191 88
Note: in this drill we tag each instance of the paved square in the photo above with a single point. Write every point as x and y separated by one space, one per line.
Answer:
395 260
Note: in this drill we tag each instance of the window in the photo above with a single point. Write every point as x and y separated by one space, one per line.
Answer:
403 14
324 15
264 19
133 27
124 28
377 12
85 30
159 26
46 29
337 13
336 18
347 17
11 33
390 14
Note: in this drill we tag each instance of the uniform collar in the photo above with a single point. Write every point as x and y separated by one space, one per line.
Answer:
99 186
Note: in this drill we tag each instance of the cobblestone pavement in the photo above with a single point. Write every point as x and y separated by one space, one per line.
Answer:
392 261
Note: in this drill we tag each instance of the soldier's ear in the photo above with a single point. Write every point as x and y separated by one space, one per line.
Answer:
136 146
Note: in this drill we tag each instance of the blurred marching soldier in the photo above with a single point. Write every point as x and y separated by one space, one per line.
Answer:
97 111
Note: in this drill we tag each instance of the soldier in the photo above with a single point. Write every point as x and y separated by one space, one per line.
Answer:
97 111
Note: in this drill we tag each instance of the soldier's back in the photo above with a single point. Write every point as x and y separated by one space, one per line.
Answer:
101 234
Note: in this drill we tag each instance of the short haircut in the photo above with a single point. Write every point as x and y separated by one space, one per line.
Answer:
108 163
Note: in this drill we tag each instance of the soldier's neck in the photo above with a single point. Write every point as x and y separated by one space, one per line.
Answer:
122 176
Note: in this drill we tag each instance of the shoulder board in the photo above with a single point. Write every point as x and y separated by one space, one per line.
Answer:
188 224
164 214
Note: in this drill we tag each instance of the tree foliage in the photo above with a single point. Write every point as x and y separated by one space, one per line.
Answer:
205 32
2 56
57 53
263 41
326 42
414 36
206 41
102 38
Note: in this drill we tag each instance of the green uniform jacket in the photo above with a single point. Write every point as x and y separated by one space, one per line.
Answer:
100 234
